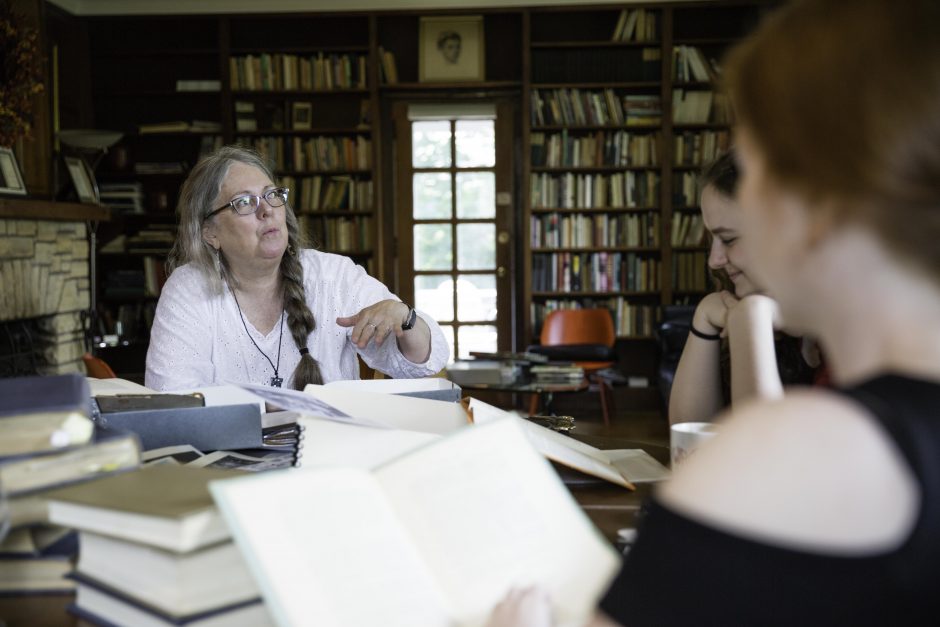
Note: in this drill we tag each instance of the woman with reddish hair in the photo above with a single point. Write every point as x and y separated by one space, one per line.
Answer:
822 507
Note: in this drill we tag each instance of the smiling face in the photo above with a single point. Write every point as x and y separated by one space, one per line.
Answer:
722 217
250 242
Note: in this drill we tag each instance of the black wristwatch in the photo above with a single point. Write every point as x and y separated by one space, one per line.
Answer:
409 322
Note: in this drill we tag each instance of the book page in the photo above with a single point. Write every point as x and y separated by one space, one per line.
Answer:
488 513
392 386
326 550
399 412
637 464
555 446
335 444
113 387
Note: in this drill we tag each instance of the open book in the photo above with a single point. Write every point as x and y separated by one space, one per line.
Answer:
434 538
621 466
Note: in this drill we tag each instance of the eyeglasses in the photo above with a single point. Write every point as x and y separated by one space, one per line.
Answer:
249 203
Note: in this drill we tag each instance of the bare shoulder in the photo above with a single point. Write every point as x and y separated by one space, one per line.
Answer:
812 471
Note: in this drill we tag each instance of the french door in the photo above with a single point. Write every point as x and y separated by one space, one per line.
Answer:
454 219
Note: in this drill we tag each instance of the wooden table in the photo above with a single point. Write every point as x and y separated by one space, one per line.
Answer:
610 507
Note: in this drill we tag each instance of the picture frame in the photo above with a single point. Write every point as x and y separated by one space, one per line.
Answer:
301 116
11 179
451 49
82 179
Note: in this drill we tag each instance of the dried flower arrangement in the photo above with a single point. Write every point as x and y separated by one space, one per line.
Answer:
20 75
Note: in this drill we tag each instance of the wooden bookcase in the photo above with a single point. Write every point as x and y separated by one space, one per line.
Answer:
603 233
153 70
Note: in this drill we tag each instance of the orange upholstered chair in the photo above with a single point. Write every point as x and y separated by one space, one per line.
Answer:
97 367
585 337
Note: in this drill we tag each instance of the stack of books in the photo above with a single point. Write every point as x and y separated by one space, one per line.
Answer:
557 373
154 550
47 440
36 559
123 197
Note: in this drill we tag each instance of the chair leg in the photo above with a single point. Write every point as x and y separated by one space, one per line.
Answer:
534 404
606 400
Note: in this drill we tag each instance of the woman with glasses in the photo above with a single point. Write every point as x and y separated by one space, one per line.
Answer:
822 507
245 301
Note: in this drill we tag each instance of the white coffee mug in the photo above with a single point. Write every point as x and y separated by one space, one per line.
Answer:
685 437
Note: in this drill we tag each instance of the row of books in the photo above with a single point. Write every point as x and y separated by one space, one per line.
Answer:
281 72
594 191
322 193
636 25
388 69
316 154
339 234
688 229
129 321
699 147
690 64
690 272
614 148
700 107
594 272
685 189
605 230
47 440
582 107
630 319
295 115
122 197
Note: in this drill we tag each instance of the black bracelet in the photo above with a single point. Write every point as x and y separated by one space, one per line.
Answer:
704 336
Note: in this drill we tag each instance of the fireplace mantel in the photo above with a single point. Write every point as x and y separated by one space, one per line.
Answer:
30 209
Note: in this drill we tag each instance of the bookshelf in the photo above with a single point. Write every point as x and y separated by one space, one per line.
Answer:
302 92
300 88
606 194
621 112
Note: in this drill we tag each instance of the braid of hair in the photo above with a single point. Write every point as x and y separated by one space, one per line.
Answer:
300 319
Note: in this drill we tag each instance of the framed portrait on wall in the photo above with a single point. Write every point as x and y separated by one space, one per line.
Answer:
81 179
11 179
451 49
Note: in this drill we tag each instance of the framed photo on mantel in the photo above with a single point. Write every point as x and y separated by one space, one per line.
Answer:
11 179
451 49
82 179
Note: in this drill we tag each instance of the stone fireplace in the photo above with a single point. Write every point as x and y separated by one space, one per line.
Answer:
44 285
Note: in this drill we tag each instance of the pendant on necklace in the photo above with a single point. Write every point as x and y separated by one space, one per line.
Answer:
276 382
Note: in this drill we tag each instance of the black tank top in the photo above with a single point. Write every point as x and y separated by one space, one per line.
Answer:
684 573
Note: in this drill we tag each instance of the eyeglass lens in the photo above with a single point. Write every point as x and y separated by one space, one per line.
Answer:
249 203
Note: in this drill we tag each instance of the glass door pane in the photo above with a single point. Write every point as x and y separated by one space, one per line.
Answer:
453 224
